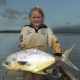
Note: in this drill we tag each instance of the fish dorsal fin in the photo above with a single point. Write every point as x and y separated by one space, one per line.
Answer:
23 63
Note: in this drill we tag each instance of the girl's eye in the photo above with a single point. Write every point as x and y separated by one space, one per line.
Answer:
36 17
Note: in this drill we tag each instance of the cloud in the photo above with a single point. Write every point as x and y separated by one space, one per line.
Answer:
12 13
2 2
68 27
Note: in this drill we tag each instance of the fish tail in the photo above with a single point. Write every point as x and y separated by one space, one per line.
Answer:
65 57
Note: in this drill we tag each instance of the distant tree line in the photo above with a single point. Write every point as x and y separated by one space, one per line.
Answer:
10 31
58 30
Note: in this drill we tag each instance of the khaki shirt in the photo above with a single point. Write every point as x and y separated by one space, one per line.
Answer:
40 38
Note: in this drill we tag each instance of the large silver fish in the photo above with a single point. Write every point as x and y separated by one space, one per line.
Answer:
32 60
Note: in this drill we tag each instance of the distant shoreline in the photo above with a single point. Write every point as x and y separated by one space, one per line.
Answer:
18 31
10 31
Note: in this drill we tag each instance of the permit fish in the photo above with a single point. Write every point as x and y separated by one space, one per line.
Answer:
35 60
32 60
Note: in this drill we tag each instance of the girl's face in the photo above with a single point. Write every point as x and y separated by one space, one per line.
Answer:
36 19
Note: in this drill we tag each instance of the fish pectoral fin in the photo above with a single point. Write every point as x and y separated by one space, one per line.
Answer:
22 62
41 72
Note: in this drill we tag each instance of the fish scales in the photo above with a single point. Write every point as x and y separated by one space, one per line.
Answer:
32 60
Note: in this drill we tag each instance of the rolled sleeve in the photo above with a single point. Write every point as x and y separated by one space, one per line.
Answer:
54 43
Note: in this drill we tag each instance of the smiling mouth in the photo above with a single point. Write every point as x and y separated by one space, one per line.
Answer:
36 22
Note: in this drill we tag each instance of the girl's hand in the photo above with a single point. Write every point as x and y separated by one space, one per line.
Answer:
58 58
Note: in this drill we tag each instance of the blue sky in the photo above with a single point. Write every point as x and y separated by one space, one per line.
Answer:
58 13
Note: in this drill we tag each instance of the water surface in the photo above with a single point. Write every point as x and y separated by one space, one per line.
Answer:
9 43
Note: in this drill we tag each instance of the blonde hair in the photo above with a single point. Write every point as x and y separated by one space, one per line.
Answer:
38 9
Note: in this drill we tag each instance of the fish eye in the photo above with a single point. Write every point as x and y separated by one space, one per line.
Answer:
7 63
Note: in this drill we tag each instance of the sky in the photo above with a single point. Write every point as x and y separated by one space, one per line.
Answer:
58 13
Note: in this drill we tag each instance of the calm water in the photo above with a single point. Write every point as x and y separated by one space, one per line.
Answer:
9 43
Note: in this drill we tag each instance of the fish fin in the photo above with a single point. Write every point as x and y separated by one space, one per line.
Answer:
23 63
65 57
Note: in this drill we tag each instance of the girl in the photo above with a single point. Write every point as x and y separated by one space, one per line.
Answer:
37 34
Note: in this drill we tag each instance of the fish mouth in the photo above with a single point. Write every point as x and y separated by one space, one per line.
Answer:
5 64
